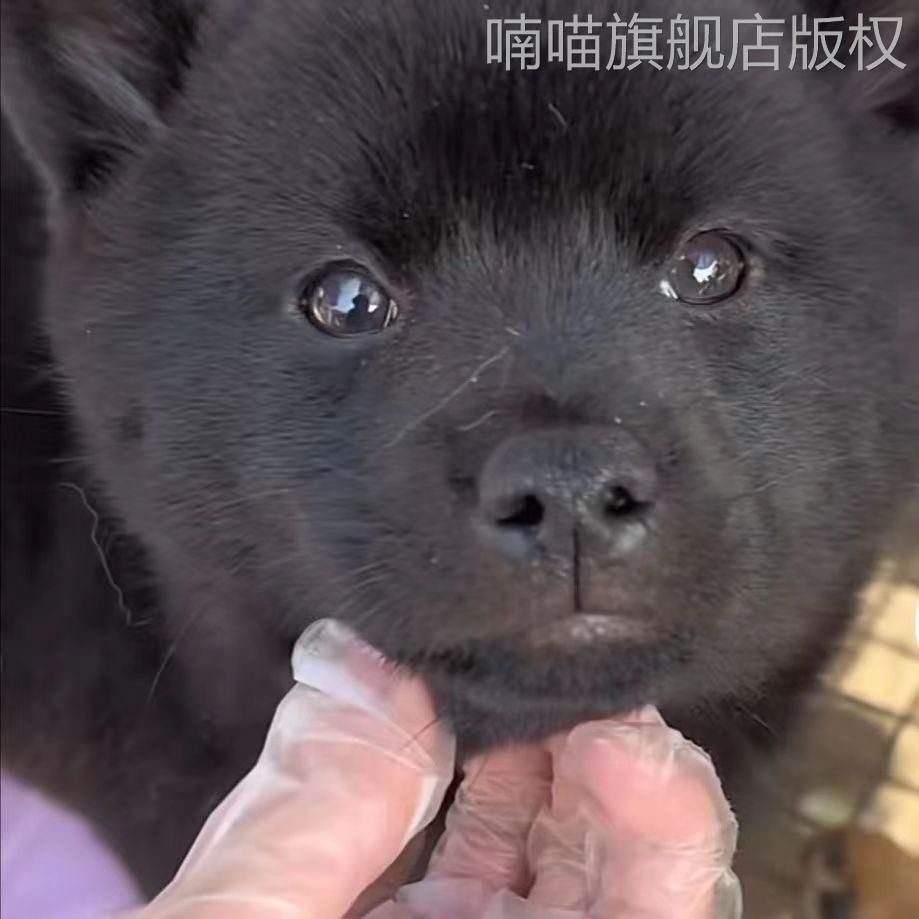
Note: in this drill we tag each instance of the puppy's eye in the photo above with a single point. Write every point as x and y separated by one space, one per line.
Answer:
708 268
345 302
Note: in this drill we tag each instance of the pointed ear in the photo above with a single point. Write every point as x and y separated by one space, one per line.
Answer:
887 96
85 82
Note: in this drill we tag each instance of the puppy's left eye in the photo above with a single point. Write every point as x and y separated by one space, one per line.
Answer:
708 268
344 302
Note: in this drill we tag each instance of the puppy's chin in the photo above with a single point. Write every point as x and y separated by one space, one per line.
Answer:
481 725
488 713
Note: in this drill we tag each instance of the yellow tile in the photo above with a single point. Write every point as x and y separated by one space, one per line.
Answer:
904 761
893 618
895 812
877 675
849 650
874 597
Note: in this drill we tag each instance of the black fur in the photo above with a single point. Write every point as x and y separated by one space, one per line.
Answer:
250 474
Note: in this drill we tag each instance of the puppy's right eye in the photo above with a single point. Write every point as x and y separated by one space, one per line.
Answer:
345 302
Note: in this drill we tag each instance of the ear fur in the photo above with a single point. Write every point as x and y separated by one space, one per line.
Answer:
886 94
86 81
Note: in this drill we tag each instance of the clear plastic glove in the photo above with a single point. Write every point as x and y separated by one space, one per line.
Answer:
354 765
620 818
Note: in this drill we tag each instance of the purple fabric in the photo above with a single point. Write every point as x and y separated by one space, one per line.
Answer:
52 866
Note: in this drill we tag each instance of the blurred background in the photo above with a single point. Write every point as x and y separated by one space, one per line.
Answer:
840 834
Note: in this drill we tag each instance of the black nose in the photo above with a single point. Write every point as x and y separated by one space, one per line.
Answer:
538 489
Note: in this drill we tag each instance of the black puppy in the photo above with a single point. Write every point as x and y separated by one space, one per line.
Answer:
571 390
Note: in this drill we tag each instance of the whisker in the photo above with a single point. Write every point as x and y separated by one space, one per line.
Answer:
783 479
170 653
415 737
480 421
446 400
93 535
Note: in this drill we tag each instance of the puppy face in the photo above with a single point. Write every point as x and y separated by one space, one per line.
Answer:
570 390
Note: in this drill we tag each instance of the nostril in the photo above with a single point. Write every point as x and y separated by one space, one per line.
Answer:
525 512
619 502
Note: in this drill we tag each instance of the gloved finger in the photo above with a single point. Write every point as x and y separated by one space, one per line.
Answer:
479 867
488 824
561 848
465 898
355 763
558 850
659 835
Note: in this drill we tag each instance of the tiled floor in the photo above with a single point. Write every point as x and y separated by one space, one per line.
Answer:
854 763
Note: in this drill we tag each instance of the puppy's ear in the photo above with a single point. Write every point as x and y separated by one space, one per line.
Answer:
85 82
886 94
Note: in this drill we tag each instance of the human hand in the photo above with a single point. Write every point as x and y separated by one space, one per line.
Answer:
618 818
355 764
